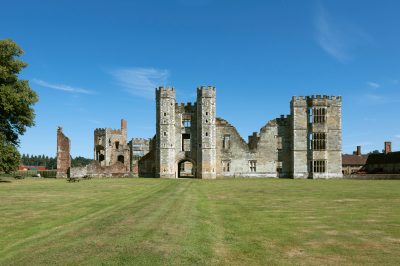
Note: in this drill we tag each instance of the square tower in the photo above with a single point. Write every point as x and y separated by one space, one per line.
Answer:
165 135
206 132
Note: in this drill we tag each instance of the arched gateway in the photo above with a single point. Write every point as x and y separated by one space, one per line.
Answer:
186 168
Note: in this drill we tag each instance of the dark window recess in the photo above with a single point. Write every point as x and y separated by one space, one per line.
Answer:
226 144
186 142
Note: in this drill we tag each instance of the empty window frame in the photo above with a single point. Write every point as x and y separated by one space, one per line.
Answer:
117 145
253 166
278 142
226 142
226 166
186 142
318 141
319 115
319 166
186 123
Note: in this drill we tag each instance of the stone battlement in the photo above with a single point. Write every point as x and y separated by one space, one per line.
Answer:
325 97
209 91
102 131
165 92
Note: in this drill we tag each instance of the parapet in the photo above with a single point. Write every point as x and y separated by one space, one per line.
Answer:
209 91
315 100
185 107
165 92
299 101
100 131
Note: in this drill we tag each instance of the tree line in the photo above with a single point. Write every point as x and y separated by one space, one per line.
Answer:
51 162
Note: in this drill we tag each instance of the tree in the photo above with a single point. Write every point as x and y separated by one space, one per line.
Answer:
16 102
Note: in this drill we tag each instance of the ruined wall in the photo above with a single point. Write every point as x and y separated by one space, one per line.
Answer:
94 169
258 158
138 147
63 154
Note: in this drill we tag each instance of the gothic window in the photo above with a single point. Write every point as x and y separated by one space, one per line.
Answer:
318 142
226 166
226 143
253 166
319 115
117 145
319 166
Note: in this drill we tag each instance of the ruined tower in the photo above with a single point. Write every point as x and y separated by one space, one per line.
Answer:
165 132
63 154
206 133
110 145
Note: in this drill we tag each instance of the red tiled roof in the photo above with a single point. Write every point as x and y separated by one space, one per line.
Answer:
348 159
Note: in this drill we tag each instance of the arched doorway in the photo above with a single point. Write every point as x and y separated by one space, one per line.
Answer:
186 169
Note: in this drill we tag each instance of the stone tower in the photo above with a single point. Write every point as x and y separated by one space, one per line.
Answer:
316 136
110 145
165 132
206 133
300 143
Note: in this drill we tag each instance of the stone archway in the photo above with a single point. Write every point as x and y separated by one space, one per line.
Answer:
186 168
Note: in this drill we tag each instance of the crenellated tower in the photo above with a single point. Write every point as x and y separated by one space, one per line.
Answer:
316 136
165 132
206 132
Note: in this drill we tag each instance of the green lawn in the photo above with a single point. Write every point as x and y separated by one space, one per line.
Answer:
186 222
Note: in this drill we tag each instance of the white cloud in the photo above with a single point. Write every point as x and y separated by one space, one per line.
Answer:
337 38
373 85
61 87
141 81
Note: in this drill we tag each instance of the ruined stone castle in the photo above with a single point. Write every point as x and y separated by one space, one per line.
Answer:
192 141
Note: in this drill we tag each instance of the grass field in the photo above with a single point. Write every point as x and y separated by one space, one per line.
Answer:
186 222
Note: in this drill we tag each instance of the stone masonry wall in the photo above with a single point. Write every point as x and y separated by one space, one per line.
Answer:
63 154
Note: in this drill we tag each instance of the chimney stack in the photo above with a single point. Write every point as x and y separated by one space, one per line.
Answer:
388 147
358 150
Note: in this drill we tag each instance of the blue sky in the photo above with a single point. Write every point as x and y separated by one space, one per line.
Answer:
95 62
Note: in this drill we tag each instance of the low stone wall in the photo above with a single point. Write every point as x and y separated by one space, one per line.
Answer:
94 169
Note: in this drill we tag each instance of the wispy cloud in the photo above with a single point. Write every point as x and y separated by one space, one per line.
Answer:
397 136
61 87
337 38
141 81
373 85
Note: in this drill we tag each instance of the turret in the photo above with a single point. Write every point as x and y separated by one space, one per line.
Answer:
165 135
206 132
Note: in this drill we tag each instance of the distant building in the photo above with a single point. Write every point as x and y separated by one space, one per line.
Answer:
387 162
352 163
31 167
